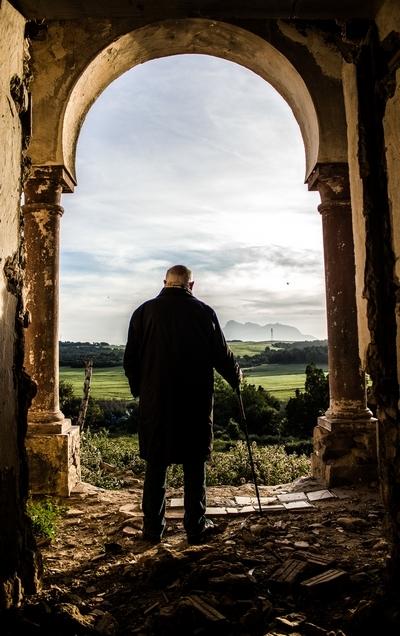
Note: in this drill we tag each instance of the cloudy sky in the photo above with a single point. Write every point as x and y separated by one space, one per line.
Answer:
194 160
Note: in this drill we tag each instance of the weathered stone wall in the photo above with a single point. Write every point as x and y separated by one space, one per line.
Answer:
388 18
17 557
392 145
372 99
350 91
75 60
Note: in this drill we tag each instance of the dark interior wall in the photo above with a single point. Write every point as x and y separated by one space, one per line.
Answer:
18 564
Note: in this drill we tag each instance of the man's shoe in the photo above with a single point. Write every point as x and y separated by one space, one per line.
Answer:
151 538
208 531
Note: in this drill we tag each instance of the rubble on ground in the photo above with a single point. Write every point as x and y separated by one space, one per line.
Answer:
291 571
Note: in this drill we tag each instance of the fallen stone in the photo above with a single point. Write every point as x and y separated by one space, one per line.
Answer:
106 625
134 522
291 620
131 532
330 579
352 523
209 612
292 496
129 510
257 616
319 495
259 529
298 505
380 545
316 560
234 583
302 545
151 608
313 630
359 578
213 511
74 512
70 617
288 573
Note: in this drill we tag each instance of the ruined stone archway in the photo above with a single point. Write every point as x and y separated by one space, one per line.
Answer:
190 36
82 63
310 86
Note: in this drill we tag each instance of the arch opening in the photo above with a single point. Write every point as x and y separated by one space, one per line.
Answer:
238 210
199 36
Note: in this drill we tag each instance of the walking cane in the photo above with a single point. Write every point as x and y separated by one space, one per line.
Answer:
244 426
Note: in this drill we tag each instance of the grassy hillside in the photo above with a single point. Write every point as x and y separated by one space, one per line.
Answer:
248 348
107 383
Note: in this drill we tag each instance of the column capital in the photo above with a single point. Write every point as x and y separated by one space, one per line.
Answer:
48 181
332 182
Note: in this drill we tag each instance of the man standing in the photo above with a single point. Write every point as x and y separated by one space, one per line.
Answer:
174 344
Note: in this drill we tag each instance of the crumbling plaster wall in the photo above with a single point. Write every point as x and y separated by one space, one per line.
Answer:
357 205
388 18
11 63
392 139
68 77
18 560
388 22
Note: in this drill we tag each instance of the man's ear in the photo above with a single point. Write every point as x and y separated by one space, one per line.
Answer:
191 284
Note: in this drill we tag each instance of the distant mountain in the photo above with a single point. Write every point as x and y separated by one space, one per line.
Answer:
252 331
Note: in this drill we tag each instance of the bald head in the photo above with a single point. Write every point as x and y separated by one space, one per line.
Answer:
179 276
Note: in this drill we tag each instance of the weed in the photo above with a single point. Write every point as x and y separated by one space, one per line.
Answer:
45 515
273 464
100 448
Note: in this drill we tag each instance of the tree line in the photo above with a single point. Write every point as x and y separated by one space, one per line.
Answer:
317 354
74 354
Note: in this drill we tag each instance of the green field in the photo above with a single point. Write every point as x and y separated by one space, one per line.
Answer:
107 383
248 348
279 379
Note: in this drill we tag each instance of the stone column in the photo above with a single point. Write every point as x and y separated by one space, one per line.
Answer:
345 437
52 443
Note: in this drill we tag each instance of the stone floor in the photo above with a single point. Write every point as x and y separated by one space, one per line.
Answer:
273 499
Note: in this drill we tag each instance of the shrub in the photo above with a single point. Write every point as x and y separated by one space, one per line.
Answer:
121 415
100 448
273 465
44 515
262 408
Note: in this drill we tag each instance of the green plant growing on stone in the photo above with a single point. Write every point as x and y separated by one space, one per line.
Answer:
45 515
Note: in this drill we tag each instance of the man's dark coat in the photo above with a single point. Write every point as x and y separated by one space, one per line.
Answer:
174 343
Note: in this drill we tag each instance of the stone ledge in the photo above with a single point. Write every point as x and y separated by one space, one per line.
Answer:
346 425
52 428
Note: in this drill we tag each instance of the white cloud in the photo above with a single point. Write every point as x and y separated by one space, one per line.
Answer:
190 159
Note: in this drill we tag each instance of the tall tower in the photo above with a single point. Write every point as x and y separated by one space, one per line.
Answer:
272 334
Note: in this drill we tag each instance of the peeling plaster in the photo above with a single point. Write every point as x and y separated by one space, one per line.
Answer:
324 54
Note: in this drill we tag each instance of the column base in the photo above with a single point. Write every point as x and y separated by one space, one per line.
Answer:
345 452
53 458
